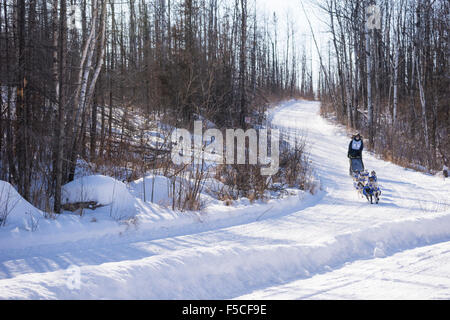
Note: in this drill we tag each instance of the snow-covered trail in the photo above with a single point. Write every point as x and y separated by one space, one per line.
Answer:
240 254
420 273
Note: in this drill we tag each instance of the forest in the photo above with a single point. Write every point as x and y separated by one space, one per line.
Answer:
224 149
72 72
385 73
76 74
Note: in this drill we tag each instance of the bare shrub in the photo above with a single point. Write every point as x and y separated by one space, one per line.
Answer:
186 186
242 181
246 180
294 167
132 222
33 221
6 203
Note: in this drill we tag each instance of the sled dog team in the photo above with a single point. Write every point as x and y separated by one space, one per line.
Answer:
365 184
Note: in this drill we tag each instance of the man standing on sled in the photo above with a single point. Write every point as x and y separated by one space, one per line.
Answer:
355 149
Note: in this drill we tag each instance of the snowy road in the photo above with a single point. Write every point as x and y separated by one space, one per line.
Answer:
421 273
333 245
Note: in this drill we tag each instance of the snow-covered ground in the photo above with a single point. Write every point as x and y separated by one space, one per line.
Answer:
420 273
330 245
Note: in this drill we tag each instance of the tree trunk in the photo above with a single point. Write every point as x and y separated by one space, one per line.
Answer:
61 106
243 64
369 87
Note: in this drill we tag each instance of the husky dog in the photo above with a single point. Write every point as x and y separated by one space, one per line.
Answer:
371 189
360 180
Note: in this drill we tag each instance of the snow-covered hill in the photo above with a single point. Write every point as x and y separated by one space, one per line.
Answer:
332 242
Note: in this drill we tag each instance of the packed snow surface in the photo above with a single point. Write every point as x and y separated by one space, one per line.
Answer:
331 245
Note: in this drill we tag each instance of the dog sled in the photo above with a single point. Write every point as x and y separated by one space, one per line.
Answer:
356 165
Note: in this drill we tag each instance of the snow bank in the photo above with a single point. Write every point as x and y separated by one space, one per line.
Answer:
15 211
227 271
159 186
103 190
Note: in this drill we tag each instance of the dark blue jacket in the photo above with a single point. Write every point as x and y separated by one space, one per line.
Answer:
355 148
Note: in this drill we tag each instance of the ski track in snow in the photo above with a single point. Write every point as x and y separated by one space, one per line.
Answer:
331 245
